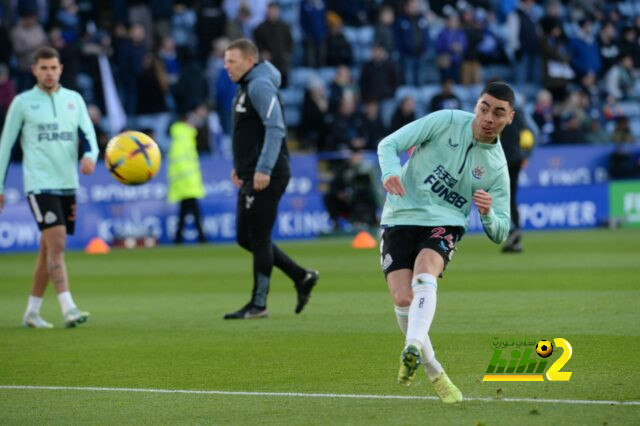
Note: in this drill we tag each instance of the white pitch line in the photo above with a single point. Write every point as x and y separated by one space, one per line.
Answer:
316 395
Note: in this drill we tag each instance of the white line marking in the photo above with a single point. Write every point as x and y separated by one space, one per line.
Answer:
316 395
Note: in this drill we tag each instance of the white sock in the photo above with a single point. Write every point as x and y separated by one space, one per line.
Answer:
431 365
66 301
423 307
402 316
34 304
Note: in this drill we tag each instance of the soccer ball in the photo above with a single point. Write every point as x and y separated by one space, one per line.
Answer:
544 348
132 158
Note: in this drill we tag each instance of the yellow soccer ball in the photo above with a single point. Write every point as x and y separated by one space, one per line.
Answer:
544 348
132 158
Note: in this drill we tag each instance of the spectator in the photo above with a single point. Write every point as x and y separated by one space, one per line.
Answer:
191 89
523 42
352 196
152 109
68 20
557 71
451 47
210 25
7 92
620 80
608 46
339 51
6 50
169 56
341 86
383 31
446 99
70 56
345 132
630 45
622 131
543 116
313 23
101 136
26 37
254 12
183 21
161 13
313 124
130 51
225 92
379 77
405 113
412 41
585 55
274 41
215 64
571 123
240 25
354 13
373 130
474 33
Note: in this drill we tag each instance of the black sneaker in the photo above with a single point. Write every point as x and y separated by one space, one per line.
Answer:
247 312
513 248
304 287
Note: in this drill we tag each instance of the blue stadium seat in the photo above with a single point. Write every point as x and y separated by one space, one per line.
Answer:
404 91
427 92
292 96
635 129
365 36
631 109
327 74
292 116
351 34
299 76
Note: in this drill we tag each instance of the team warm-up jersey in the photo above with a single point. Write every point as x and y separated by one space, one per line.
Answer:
49 127
443 172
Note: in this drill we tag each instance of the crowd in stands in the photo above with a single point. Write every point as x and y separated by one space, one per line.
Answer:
352 71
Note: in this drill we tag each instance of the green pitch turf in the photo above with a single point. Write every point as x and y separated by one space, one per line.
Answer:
157 324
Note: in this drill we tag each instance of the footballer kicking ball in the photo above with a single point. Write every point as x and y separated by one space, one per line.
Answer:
544 348
132 158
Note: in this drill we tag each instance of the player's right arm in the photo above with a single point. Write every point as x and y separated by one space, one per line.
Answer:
415 133
10 133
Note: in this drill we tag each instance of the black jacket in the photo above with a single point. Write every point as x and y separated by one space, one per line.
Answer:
259 135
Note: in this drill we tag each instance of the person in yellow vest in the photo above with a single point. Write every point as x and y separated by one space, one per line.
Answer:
183 171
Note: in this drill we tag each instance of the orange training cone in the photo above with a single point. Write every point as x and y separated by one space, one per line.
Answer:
97 246
364 240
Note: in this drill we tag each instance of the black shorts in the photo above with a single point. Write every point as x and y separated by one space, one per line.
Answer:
401 244
52 210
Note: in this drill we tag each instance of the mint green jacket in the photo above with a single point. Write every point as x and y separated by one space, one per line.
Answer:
50 128
441 175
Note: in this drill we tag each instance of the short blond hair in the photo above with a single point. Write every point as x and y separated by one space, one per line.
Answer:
245 46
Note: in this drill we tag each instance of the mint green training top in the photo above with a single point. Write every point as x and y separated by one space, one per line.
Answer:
50 127
447 166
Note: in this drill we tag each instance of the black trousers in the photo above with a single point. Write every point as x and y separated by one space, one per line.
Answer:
514 174
256 214
189 205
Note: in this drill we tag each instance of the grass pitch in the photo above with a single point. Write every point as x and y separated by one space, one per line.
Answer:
157 324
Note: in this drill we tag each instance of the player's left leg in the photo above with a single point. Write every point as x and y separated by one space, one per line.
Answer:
32 316
429 264
55 240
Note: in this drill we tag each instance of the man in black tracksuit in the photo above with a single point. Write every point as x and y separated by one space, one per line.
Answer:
517 154
261 172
